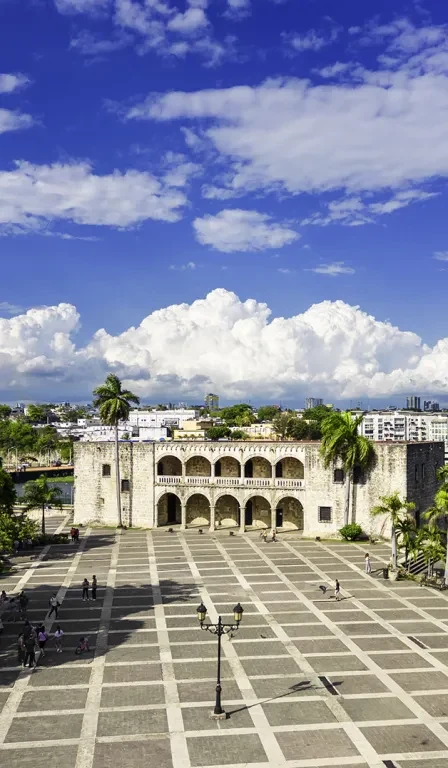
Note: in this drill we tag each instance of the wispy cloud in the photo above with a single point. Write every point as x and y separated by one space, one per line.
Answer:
441 255
13 82
190 265
334 269
285 271
7 308
311 41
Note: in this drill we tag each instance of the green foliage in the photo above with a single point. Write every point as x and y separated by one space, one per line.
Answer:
17 435
267 412
351 531
238 434
37 414
237 415
16 528
7 493
72 414
281 424
38 494
318 413
113 402
393 507
429 543
288 425
217 433
340 440
5 412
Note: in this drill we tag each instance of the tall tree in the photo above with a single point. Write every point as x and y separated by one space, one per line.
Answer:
341 441
5 411
38 494
394 509
437 516
7 492
114 404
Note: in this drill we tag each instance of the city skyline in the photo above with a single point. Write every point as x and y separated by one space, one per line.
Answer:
229 196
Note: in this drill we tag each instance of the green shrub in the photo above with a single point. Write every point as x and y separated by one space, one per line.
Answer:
351 531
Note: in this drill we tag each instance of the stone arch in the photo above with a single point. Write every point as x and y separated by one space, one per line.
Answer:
257 466
169 465
169 509
227 466
289 467
289 513
227 510
198 509
257 511
198 466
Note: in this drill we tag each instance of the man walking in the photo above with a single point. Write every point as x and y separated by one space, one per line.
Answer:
94 586
54 606
30 651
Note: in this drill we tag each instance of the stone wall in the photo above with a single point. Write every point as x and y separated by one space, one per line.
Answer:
292 468
169 465
227 511
230 467
261 512
198 466
292 513
198 510
162 510
261 467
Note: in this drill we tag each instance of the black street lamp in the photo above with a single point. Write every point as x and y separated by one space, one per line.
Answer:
219 629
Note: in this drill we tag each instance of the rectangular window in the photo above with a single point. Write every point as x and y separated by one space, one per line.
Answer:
324 514
106 470
125 485
338 476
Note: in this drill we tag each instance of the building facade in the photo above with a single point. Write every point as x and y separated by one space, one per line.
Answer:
403 425
245 484
413 402
313 402
211 401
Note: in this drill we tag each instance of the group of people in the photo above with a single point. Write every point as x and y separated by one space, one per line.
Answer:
74 534
13 607
264 534
85 588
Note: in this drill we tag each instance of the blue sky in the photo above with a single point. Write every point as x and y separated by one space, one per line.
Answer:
238 154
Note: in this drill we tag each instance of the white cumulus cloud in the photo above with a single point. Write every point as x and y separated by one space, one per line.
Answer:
33 195
13 82
220 342
238 230
10 120
334 269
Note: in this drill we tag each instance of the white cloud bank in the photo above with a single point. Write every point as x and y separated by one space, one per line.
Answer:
12 82
32 196
225 344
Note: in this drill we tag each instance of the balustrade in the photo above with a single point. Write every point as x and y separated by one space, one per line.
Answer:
252 482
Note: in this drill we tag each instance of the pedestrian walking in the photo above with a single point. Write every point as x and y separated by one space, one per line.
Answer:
42 638
274 534
85 589
23 602
367 563
58 635
264 535
21 650
13 609
30 651
3 597
337 590
94 587
73 533
54 606
76 534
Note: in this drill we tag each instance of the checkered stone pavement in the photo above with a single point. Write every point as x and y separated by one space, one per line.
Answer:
307 681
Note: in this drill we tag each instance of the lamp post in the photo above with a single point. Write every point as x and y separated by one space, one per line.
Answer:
219 629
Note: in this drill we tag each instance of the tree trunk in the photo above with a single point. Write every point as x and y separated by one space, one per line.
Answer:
394 547
348 478
43 519
117 476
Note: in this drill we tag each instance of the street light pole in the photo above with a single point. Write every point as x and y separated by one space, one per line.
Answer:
219 629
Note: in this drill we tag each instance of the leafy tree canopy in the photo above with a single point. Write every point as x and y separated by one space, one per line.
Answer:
238 434
233 412
216 433
7 493
16 528
267 412
113 401
5 411
37 414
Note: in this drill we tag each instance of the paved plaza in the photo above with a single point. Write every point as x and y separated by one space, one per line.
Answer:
307 681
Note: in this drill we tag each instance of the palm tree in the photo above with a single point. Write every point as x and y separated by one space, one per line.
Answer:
114 404
395 509
341 441
38 494
429 542
406 531
437 516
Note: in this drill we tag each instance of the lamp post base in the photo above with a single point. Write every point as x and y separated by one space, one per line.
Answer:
222 716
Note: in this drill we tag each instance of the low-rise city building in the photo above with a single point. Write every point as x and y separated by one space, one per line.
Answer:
246 484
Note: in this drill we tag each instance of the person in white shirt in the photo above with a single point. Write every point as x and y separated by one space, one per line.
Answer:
58 635
54 606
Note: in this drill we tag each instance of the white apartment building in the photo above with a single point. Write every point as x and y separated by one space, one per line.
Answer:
410 426
153 418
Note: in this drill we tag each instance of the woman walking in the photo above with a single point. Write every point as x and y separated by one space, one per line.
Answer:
337 590
42 638
367 563
58 635
94 586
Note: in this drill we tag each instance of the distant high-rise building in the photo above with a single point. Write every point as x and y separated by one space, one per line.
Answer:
413 403
431 405
212 401
312 402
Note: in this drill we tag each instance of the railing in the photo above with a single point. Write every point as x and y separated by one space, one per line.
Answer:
252 482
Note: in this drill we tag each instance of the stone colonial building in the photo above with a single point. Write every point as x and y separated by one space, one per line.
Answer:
245 484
